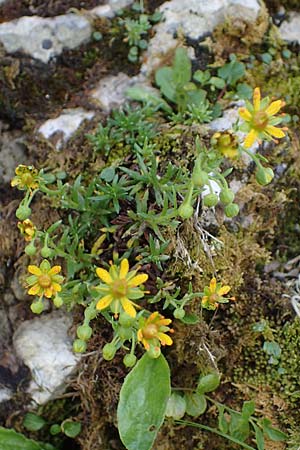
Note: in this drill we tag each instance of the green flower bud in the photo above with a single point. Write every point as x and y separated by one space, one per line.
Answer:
23 212
264 175
58 301
84 332
37 307
125 320
210 200
30 249
208 383
179 313
154 352
231 210
226 196
46 252
79 346
124 333
199 177
185 210
129 360
109 351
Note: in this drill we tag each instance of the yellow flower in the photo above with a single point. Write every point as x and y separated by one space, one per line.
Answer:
44 279
120 287
27 229
226 143
27 177
260 119
153 331
214 294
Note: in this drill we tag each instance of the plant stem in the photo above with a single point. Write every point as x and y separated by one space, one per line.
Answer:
216 431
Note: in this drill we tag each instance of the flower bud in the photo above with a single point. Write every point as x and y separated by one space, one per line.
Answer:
37 307
109 351
179 313
79 346
30 249
264 175
199 177
46 252
185 210
58 301
125 320
84 332
210 200
23 212
129 360
231 210
153 352
226 196
124 333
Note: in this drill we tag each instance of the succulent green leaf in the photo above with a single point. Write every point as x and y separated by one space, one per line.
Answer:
33 422
195 404
176 406
11 440
143 401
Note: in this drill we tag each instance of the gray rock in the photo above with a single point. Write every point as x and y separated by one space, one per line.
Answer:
12 153
44 38
290 30
64 126
5 329
44 346
195 19
111 90
5 394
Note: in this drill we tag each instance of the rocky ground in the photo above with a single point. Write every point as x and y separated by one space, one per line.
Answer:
63 68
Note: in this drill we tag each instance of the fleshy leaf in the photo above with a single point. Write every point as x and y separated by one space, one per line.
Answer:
143 401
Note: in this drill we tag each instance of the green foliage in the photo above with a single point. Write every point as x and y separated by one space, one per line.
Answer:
11 440
143 401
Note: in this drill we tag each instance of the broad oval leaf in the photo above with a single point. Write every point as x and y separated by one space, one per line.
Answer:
195 404
11 440
143 402
33 422
176 406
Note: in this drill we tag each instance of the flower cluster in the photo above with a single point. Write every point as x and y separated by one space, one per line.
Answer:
214 295
260 120
27 229
119 288
44 280
27 178
152 332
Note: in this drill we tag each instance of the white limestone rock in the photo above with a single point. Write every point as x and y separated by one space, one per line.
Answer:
64 126
44 346
290 30
194 19
45 38
5 394
110 92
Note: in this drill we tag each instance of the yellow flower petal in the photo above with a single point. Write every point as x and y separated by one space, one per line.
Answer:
48 292
250 138
204 299
146 344
140 335
274 107
164 339
104 302
128 307
224 290
35 270
138 279
54 270
34 290
245 114
104 275
56 287
124 268
212 285
256 99
274 131
163 322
